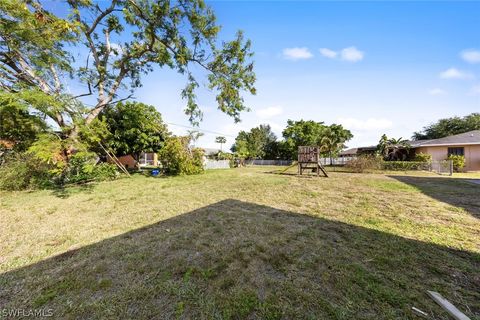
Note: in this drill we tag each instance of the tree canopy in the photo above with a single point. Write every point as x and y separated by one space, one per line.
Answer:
123 39
261 142
221 140
132 128
17 126
393 149
257 143
331 138
449 126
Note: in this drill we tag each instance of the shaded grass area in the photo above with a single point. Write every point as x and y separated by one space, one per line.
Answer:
239 244
460 193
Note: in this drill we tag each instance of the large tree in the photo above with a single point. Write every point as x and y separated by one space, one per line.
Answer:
449 126
133 128
255 143
301 133
120 40
333 139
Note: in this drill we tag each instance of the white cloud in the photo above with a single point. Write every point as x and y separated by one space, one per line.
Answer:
328 53
297 53
454 73
370 124
437 92
351 54
269 112
471 55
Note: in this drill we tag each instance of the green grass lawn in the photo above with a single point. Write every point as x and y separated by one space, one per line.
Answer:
244 244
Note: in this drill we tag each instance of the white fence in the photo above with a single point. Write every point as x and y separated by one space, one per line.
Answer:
336 161
440 167
261 162
216 164
324 161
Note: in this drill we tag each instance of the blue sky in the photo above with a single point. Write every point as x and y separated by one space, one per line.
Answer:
401 66
375 67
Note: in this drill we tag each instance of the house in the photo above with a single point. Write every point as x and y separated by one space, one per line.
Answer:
353 152
466 144
145 159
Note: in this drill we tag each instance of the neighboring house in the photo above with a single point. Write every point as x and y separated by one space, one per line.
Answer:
145 159
353 152
466 144
210 152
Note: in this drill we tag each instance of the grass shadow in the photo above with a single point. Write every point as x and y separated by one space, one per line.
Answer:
238 260
66 191
457 192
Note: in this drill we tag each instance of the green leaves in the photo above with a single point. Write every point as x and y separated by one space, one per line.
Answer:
259 142
331 138
231 73
131 128
120 41
449 126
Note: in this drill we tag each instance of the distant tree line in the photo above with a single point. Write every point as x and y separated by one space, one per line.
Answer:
261 143
449 126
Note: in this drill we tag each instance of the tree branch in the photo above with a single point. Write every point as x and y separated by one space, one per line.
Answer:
58 84
101 17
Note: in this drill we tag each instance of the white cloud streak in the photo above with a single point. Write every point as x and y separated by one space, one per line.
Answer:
328 53
454 73
471 55
350 54
297 53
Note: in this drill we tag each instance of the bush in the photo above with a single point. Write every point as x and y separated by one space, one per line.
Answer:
458 162
403 165
423 157
178 159
22 171
46 164
83 167
364 163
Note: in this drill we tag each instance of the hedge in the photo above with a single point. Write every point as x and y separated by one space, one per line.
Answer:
404 165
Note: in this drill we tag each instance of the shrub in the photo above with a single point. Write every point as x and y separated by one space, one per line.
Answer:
23 171
83 167
403 165
458 162
224 156
364 163
423 157
47 164
178 159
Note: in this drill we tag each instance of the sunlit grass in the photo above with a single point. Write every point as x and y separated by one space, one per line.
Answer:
263 246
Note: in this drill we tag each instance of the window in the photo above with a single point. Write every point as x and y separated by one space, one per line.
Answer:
456 151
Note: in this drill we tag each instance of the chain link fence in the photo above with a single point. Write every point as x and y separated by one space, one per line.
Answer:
441 167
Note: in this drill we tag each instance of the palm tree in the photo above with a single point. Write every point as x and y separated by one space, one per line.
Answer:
393 149
194 135
333 140
221 140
